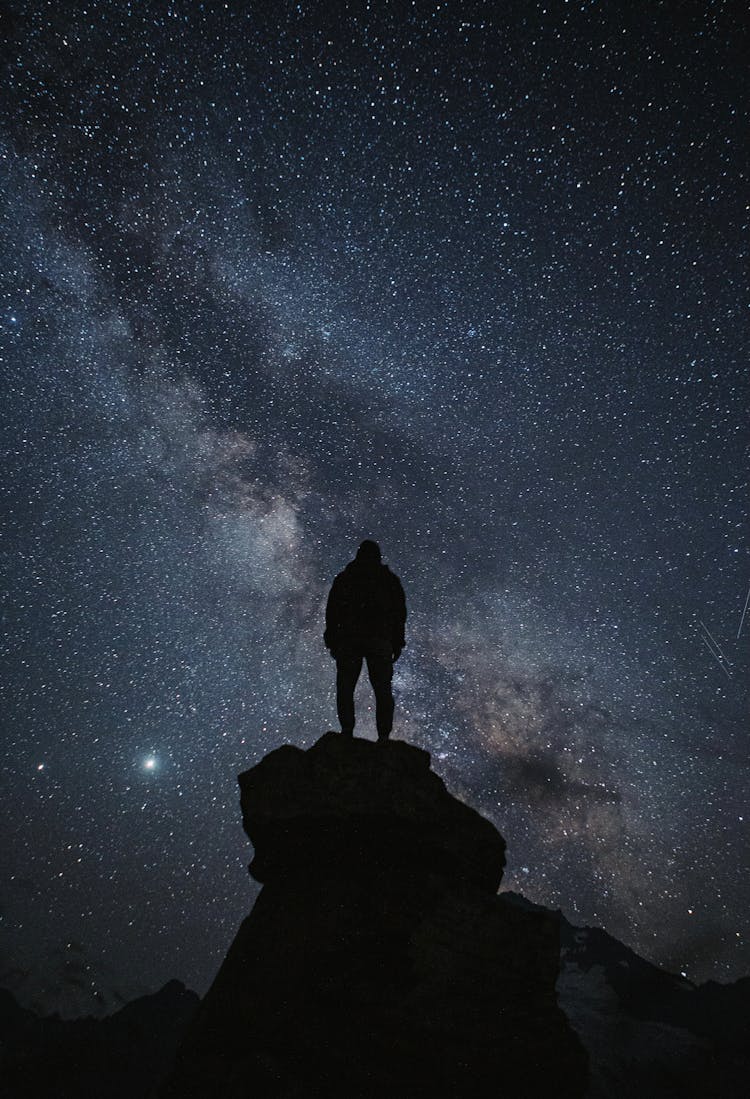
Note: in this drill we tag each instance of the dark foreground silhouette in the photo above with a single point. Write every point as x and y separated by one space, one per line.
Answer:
378 959
365 621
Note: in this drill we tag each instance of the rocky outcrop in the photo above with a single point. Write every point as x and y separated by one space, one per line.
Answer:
378 959
347 804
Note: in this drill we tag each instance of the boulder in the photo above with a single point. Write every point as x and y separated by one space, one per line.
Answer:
347 804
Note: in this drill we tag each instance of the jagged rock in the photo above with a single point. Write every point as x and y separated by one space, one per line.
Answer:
397 813
378 959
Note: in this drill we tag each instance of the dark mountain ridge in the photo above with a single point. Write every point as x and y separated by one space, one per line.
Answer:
122 1056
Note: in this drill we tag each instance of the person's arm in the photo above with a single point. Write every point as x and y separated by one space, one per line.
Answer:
399 618
332 625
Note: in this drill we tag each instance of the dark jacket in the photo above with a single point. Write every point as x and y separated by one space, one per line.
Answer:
366 608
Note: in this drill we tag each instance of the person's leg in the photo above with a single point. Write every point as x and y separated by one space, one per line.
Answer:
380 671
348 667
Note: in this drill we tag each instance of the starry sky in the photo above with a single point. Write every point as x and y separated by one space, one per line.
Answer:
470 279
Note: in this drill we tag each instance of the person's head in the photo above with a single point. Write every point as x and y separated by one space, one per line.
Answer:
368 553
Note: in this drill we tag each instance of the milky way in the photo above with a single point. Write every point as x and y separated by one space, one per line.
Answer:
469 279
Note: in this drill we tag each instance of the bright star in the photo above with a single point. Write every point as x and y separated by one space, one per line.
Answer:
150 763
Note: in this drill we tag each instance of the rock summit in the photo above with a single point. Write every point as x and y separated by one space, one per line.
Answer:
378 959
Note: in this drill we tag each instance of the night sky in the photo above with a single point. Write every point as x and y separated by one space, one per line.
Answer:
470 279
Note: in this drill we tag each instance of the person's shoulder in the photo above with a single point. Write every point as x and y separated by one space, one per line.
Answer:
390 576
346 576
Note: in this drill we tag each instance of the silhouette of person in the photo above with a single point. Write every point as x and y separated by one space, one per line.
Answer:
365 620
